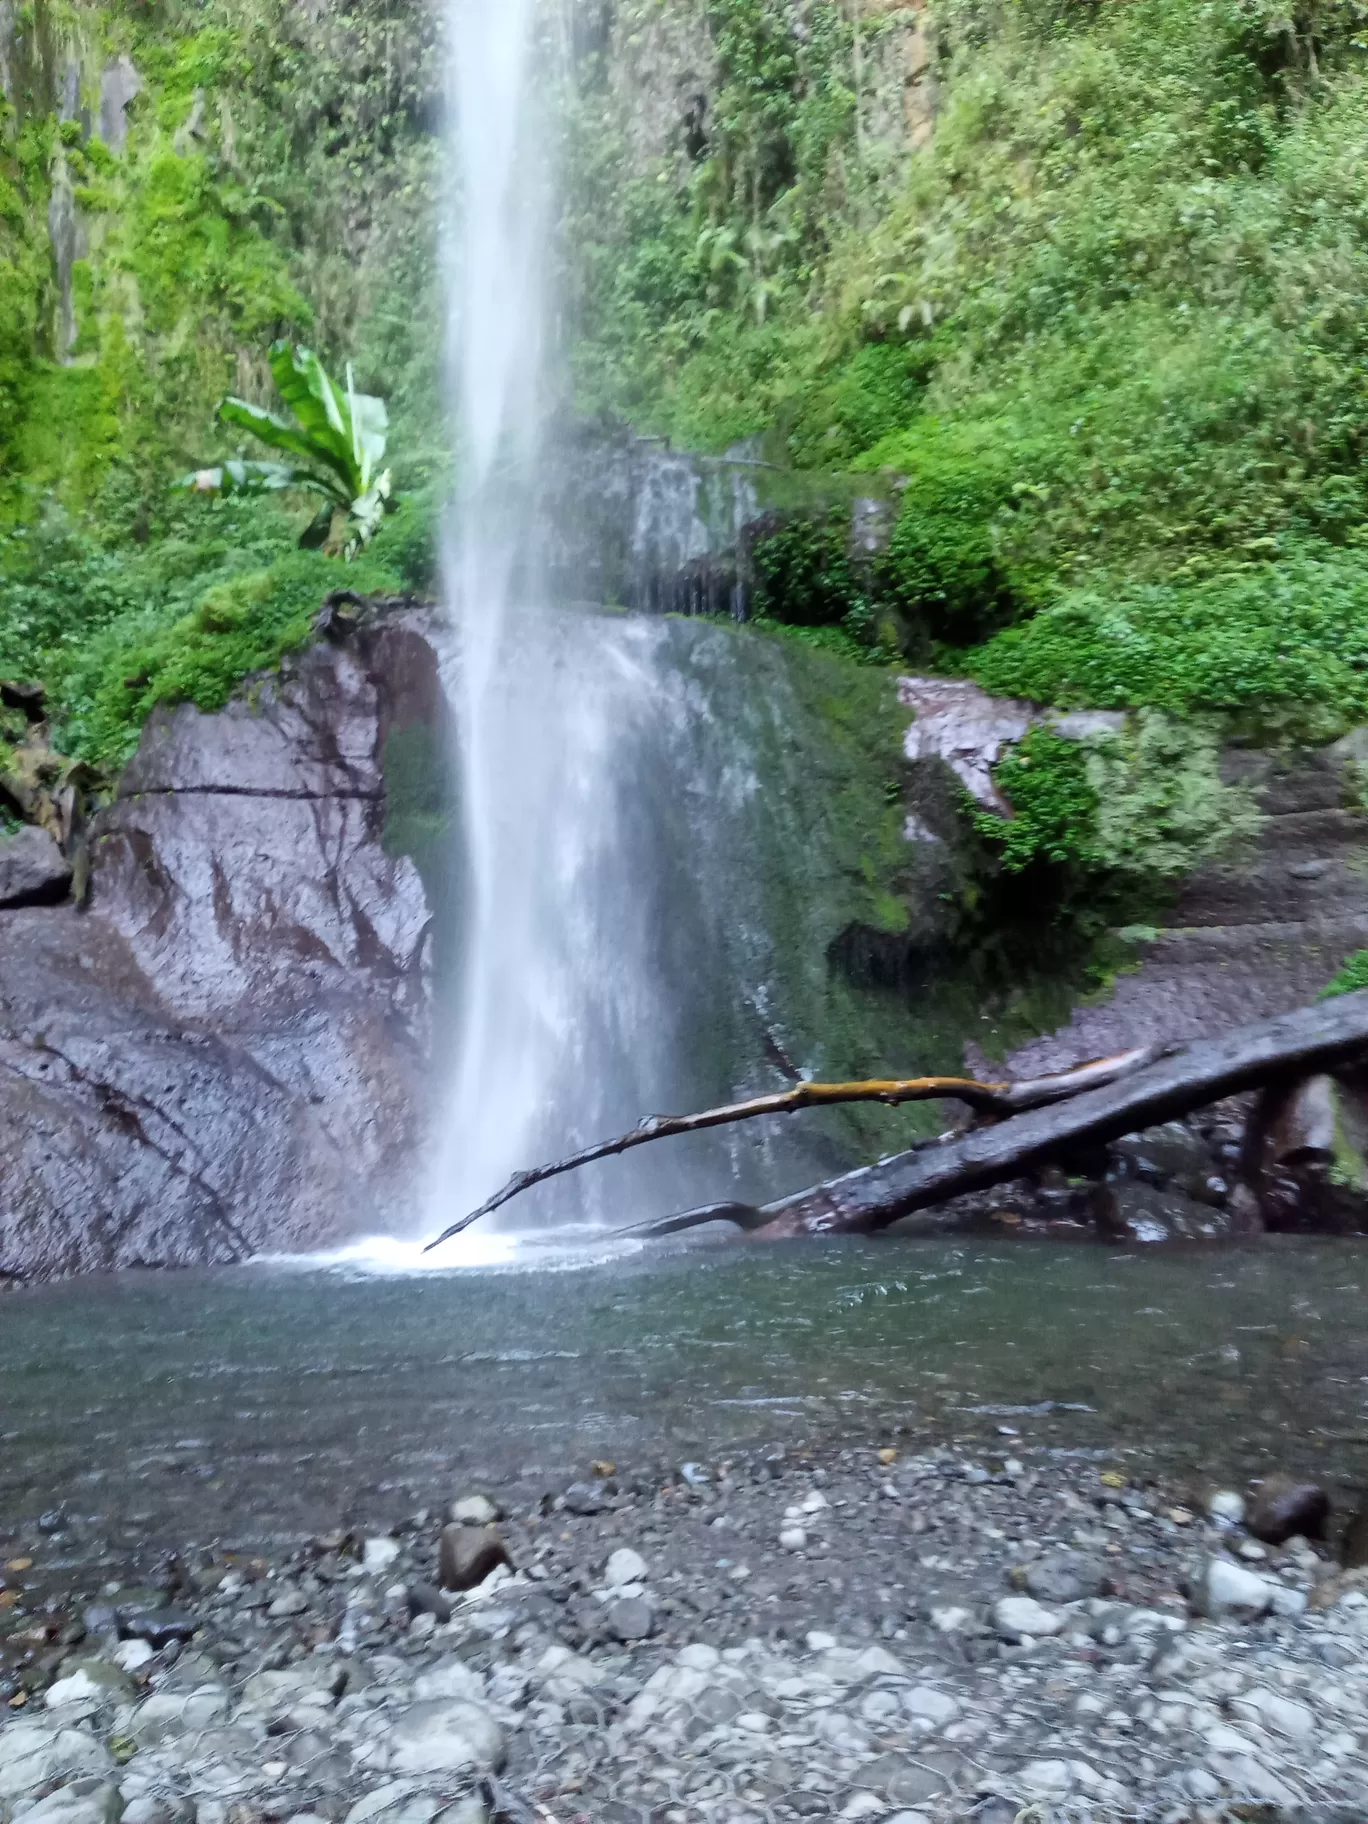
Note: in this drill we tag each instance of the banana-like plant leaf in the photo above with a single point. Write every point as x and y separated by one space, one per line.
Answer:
281 435
239 477
338 436
369 431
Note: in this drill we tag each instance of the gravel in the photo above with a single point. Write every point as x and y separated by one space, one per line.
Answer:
950 1640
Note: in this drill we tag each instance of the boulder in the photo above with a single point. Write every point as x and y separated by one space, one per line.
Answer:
34 1755
467 1554
446 1736
235 1030
33 870
1283 1508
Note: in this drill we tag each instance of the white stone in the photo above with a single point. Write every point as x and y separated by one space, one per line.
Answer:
446 1737
379 1554
32 1755
167 1714
817 1642
863 1805
699 1656
936 1707
474 1510
1227 1590
1281 1714
625 1566
1201 1785
132 1655
384 1798
449 1678
1226 1505
950 1620
79 1688
793 1538
1023 1618
103 1806
1047 1777
813 1502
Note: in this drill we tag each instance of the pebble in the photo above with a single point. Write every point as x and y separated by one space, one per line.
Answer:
1228 1506
624 1566
467 1555
475 1510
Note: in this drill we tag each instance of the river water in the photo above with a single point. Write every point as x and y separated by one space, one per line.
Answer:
258 1405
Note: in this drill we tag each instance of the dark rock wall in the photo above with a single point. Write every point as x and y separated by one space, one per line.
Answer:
225 1052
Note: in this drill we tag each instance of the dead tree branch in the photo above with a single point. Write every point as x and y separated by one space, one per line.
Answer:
993 1099
1294 1045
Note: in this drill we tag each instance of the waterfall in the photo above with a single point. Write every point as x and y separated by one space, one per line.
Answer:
563 1031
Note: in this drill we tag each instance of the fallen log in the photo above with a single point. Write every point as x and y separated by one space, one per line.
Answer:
1280 1050
985 1098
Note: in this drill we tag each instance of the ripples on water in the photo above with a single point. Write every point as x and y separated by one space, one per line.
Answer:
258 1404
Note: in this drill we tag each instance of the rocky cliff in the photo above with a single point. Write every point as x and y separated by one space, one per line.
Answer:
224 1051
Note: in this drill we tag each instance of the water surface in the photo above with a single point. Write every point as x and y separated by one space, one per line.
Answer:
257 1405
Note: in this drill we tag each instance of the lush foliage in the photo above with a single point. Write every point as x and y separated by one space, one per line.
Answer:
337 439
183 616
1108 330
1146 804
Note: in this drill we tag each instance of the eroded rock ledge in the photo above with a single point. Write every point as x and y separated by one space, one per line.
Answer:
224 1052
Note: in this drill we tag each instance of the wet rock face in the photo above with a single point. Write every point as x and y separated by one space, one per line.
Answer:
224 1054
33 870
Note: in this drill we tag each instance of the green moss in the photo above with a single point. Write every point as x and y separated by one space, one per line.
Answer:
141 658
1350 979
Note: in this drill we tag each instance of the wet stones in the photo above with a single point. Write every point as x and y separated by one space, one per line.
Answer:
467 1555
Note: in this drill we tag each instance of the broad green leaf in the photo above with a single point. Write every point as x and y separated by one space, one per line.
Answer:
305 387
282 436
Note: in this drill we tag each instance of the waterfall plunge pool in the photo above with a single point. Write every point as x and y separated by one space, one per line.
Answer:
256 1406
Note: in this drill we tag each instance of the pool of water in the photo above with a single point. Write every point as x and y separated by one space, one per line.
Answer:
258 1405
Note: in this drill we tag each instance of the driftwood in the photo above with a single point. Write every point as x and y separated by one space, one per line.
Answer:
1277 1051
984 1098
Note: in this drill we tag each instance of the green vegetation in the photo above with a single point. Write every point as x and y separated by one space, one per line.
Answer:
268 177
1146 805
338 439
1352 977
1108 330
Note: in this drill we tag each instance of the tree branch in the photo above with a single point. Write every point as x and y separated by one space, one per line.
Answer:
1292 1046
993 1099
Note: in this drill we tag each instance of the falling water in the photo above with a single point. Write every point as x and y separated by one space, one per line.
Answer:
633 894
563 1029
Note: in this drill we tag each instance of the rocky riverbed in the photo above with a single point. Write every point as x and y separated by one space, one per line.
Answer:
868 1634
